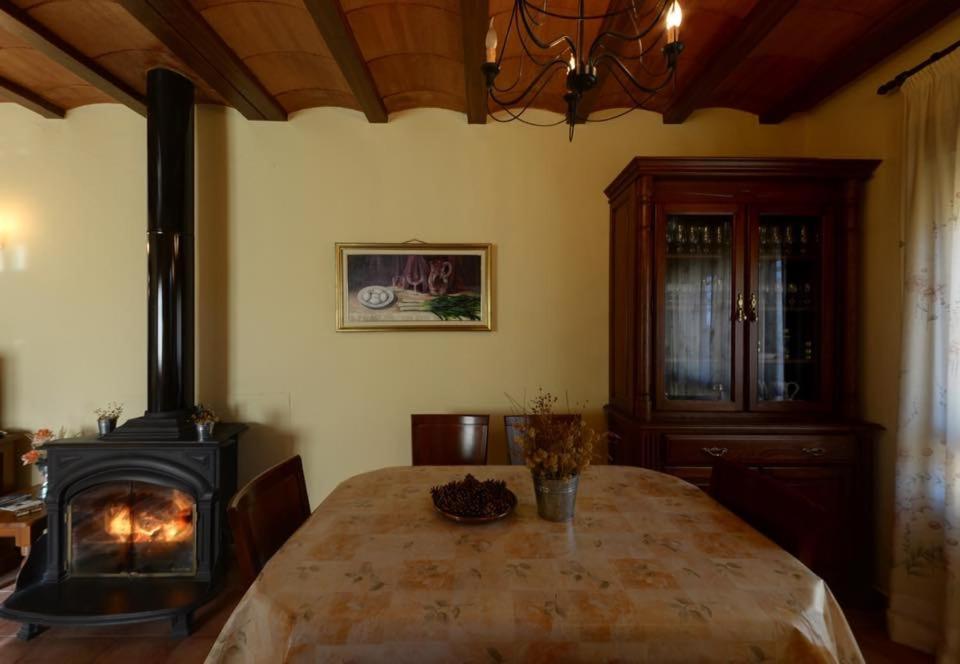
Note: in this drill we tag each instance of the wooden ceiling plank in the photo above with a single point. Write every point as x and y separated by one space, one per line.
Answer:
474 16
20 23
30 100
333 25
761 20
188 36
902 26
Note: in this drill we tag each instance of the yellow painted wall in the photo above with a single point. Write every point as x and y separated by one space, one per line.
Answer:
272 201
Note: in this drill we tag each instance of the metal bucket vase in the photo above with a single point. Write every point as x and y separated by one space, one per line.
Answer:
105 425
205 431
556 499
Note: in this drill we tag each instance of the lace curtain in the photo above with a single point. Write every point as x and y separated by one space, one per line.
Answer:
698 329
925 585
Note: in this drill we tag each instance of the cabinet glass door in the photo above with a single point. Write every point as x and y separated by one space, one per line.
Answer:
787 312
697 332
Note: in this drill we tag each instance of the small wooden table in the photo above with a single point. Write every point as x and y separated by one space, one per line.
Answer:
25 529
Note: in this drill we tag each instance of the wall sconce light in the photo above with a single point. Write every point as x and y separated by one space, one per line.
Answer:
6 230
12 252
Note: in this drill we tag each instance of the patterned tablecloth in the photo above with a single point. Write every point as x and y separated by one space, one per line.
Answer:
651 569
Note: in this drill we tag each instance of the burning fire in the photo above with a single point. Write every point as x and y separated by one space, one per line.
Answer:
172 524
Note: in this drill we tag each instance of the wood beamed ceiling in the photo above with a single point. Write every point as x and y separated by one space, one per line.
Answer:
271 58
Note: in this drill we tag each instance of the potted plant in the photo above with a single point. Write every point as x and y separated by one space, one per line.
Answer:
204 418
557 449
107 417
37 456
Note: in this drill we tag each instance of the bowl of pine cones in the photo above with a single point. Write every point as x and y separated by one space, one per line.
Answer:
474 501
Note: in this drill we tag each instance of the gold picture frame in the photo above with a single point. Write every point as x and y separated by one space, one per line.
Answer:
414 287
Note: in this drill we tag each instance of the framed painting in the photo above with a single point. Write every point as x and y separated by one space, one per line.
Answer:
414 287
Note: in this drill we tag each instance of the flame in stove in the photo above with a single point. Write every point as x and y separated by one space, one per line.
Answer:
174 523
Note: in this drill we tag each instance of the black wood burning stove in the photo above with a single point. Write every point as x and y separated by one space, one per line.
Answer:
136 530
136 519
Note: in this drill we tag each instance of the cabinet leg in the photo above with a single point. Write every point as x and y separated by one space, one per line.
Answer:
182 625
29 630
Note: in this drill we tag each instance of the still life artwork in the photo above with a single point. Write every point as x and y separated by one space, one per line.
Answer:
413 287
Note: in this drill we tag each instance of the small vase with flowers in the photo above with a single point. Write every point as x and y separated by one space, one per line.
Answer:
557 448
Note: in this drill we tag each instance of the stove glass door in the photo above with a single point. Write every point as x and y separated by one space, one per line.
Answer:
132 529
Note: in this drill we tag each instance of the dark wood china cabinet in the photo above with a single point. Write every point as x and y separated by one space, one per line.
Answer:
734 331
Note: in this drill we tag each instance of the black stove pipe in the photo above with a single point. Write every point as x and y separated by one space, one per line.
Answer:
170 242
170 261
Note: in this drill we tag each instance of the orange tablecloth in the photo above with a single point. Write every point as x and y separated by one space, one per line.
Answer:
651 569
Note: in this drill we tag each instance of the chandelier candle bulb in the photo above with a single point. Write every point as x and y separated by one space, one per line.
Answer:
491 43
674 19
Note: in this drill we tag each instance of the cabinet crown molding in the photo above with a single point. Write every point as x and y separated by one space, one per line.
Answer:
742 167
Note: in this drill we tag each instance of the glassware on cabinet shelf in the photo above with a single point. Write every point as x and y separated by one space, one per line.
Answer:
681 236
788 318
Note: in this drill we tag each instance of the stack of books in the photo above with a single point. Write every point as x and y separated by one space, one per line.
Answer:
21 504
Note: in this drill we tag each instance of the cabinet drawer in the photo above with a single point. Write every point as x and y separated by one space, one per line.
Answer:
699 476
689 450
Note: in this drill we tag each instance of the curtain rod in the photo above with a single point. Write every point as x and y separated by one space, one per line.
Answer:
895 83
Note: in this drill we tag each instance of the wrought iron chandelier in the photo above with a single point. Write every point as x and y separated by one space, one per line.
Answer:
612 49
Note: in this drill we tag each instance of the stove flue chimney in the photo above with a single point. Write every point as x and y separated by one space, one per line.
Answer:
170 262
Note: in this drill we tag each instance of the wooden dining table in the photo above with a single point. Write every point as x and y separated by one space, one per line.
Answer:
651 569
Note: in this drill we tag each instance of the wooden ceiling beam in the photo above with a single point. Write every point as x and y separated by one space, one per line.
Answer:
333 25
697 91
18 22
184 31
30 100
474 17
902 26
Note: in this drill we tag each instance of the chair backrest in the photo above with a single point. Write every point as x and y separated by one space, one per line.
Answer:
449 440
266 512
773 507
510 426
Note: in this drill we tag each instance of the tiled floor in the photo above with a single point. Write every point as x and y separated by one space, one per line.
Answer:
147 643
870 629
150 643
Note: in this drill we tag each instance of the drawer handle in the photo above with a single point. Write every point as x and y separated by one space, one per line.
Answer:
715 451
814 451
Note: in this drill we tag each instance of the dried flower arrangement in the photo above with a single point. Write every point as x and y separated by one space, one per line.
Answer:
37 455
112 411
556 446
204 415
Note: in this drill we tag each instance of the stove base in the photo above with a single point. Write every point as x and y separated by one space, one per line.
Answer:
106 602
103 600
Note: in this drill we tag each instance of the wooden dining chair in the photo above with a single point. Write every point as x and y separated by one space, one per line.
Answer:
449 440
510 426
266 512
773 507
